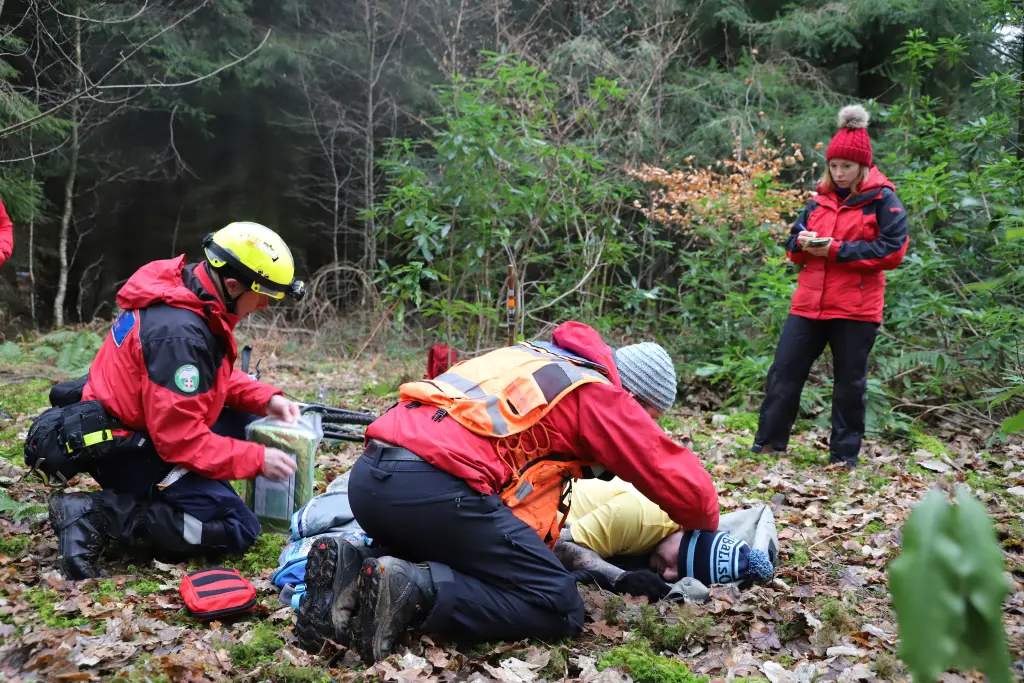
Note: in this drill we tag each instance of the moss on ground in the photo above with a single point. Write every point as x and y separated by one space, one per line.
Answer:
874 527
26 398
741 421
702 442
289 673
44 601
11 447
144 587
803 457
690 627
260 648
837 620
877 482
262 555
670 422
928 443
15 546
139 672
799 557
990 484
556 666
887 667
644 666
611 609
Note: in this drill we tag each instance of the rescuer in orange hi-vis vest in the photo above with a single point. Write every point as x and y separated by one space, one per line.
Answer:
464 485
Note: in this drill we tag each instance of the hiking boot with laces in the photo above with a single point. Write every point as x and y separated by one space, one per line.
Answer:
81 533
331 594
394 596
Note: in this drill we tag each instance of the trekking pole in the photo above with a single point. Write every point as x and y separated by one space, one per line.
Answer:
338 415
511 304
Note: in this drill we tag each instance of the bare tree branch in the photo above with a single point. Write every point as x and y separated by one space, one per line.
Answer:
101 21
22 125
192 81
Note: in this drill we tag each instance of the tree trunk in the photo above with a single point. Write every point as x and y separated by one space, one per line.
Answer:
174 235
31 224
370 20
1020 111
69 193
335 209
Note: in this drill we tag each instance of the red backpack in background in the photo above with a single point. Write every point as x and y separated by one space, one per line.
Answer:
440 358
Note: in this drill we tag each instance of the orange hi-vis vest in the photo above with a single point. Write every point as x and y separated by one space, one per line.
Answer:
504 395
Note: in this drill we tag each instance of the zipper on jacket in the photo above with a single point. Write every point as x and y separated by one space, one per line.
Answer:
824 266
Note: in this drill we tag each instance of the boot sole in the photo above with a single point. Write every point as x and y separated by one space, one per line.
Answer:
314 619
327 608
374 599
346 592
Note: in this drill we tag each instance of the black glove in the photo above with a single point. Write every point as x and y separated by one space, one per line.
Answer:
643 582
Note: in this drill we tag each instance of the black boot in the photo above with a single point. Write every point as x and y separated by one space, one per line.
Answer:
848 463
394 595
331 594
81 533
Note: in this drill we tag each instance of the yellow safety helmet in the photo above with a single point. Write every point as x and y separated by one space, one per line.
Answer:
254 253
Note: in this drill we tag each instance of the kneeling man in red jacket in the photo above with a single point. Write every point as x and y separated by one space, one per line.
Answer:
465 484
167 369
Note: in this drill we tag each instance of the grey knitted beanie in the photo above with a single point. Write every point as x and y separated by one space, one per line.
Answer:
647 372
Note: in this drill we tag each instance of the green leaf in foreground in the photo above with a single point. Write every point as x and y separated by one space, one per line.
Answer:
947 587
1014 424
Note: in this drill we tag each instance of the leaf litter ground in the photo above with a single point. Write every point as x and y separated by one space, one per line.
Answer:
825 617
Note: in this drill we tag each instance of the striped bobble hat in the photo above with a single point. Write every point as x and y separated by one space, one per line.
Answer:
716 557
647 372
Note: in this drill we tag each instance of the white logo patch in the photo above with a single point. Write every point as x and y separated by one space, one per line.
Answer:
187 378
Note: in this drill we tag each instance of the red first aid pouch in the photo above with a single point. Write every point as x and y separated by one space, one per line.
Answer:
216 593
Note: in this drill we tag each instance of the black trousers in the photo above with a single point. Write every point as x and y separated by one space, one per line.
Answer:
801 343
495 578
190 516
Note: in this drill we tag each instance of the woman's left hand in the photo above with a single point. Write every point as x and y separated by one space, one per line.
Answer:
818 251
282 409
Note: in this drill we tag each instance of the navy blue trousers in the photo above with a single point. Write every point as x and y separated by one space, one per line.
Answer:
495 578
191 516
802 341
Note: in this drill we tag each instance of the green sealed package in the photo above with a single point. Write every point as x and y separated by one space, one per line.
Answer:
274 502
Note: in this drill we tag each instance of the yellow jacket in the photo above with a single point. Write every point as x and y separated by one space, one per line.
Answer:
613 518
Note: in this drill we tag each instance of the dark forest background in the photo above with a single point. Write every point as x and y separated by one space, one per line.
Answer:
411 150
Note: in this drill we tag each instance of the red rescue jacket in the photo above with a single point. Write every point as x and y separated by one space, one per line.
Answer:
594 422
6 235
869 235
167 367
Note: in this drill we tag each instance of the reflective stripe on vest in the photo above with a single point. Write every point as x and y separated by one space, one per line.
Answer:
507 391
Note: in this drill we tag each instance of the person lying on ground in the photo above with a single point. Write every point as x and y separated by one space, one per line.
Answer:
615 536
463 481
167 370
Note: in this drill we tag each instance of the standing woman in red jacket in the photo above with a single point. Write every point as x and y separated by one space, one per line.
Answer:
6 235
852 231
